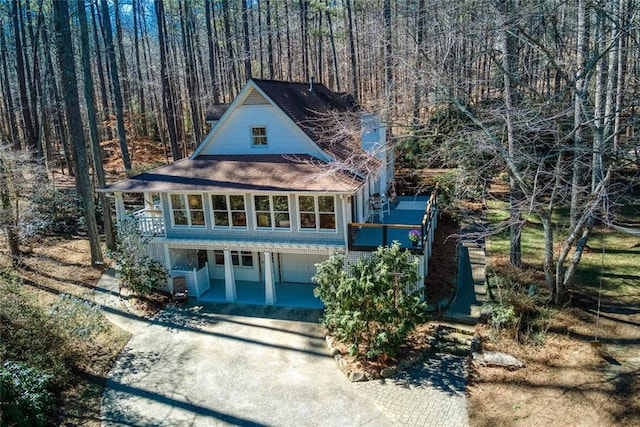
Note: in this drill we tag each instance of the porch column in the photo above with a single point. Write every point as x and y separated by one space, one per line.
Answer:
229 278
120 210
269 282
148 200
167 264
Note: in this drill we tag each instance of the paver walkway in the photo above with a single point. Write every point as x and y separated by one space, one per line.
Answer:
226 364
429 394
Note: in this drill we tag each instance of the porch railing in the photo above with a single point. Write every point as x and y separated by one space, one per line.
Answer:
197 280
150 222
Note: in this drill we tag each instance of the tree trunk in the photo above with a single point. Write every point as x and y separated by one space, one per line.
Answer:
547 227
578 143
508 59
115 85
245 33
30 131
269 42
167 97
212 48
122 60
336 72
142 114
191 71
101 77
9 211
76 135
93 125
8 98
388 62
54 96
352 52
228 43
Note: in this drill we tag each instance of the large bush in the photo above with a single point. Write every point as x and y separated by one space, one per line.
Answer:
26 400
51 212
134 267
518 307
373 308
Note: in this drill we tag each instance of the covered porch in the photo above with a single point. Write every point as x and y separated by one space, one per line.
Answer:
287 294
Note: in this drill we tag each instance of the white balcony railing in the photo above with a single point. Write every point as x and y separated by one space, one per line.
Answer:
150 222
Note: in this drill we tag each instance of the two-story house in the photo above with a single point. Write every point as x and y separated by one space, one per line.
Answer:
278 185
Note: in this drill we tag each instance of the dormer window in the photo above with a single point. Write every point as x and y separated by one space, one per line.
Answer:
259 136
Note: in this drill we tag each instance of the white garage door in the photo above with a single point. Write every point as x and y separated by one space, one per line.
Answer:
299 268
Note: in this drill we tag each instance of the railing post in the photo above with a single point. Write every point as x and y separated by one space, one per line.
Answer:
350 236
384 235
195 279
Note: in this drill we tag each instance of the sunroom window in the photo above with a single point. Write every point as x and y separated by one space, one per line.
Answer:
272 212
187 210
228 210
317 212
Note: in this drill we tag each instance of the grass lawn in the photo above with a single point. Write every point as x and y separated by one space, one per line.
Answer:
586 372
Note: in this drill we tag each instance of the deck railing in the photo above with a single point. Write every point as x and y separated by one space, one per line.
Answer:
427 231
150 222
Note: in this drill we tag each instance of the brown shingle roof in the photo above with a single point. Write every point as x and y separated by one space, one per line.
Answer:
216 111
298 173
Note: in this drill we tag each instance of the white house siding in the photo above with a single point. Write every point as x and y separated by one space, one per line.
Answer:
283 136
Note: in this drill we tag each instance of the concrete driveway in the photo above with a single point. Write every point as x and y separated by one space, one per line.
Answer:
226 364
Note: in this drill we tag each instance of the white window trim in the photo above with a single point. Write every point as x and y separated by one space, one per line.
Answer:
271 212
188 210
229 213
317 213
266 136
239 254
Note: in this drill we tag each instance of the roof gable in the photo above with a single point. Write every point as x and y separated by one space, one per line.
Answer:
315 111
252 107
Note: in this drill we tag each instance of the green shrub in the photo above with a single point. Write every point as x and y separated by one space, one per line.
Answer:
519 306
372 309
25 398
134 267
51 212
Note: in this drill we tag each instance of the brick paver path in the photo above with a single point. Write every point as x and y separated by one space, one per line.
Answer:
431 394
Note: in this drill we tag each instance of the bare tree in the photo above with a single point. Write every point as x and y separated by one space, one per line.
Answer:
115 85
66 63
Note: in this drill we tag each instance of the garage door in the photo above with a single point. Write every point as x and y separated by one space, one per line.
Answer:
299 268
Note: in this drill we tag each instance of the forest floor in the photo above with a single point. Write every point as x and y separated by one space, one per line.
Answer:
585 368
62 266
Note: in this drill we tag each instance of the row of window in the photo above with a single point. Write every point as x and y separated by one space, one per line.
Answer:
271 212
240 259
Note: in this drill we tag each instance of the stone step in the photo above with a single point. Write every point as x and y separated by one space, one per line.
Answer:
461 318
456 338
463 328
452 348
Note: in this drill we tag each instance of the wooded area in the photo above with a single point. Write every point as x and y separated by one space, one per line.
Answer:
545 90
